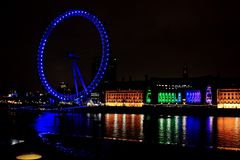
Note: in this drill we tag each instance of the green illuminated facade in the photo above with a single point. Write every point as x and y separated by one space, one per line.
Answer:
169 97
148 96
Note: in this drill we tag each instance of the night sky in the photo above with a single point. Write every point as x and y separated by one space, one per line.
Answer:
153 38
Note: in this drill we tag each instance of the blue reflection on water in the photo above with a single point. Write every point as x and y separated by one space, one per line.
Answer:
47 123
66 124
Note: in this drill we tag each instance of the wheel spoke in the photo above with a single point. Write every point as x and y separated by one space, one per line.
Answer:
80 76
75 79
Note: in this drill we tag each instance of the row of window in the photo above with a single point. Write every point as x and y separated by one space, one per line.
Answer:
227 102
233 97
229 93
132 94
128 101
137 95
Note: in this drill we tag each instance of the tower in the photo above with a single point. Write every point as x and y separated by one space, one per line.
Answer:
185 71
111 72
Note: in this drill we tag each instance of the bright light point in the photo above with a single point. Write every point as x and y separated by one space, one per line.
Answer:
16 141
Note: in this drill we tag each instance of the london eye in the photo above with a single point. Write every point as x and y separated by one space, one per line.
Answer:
79 94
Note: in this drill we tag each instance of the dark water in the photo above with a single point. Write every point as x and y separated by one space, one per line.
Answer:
189 131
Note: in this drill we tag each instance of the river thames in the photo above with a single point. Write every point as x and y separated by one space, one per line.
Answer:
206 132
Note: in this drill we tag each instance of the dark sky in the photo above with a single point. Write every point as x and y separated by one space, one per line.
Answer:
147 37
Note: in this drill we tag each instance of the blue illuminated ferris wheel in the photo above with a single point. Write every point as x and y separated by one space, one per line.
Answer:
79 95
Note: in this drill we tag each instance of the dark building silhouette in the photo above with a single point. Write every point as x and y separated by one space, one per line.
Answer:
110 75
63 88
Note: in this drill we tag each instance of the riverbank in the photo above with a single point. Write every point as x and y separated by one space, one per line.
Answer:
164 110
196 110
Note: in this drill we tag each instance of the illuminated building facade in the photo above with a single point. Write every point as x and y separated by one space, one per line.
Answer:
208 97
169 90
228 98
128 98
95 99
198 90
193 96
169 97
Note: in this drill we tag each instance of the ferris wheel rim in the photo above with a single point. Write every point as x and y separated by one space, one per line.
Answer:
104 52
